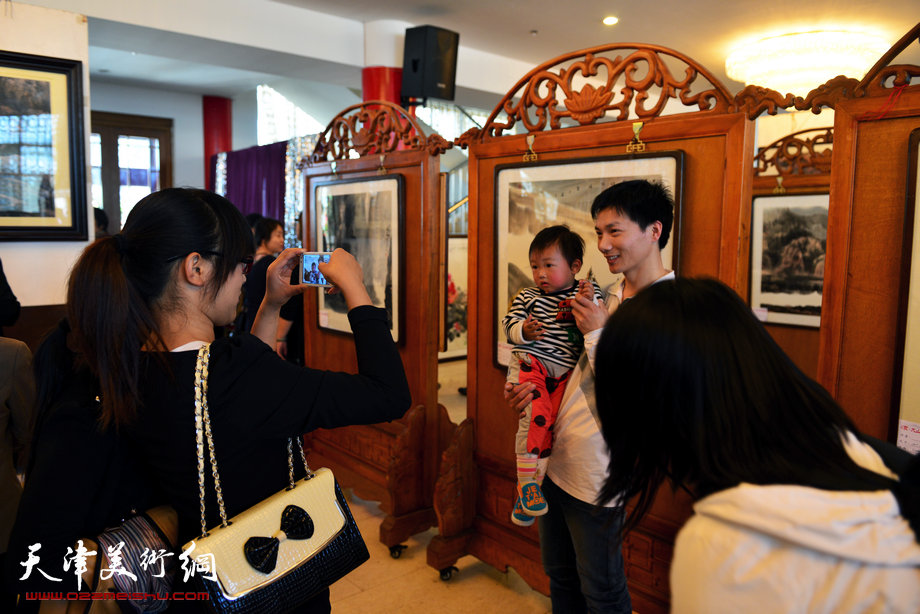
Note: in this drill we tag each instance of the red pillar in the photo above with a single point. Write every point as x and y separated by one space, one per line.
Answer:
217 113
381 83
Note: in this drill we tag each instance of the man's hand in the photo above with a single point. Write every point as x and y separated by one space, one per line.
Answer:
532 328
518 396
588 314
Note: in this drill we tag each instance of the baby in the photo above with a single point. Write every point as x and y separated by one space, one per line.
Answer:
547 344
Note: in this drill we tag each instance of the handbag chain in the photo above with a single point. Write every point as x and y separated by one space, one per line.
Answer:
203 430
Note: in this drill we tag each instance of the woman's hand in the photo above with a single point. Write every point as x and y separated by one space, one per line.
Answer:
278 288
346 276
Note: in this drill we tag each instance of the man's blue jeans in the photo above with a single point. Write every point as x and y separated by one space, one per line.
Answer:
581 555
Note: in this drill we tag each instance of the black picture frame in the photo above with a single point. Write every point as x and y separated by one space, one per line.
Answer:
788 248
357 215
42 149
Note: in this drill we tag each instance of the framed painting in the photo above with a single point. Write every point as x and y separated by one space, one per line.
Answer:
529 198
42 149
363 217
788 245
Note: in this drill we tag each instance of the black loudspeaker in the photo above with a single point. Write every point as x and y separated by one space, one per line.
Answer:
429 63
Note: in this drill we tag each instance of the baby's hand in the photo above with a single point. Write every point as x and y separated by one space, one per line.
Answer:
586 289
533 329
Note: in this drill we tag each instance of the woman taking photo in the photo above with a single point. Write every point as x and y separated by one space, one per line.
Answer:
795 510
140 305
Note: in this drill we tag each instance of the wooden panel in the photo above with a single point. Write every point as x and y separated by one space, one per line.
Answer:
398 463
801 344
864 257
714 241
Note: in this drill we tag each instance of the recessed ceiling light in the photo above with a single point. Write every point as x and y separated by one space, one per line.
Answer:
609 21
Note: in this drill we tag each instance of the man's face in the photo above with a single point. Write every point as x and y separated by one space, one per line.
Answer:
623 243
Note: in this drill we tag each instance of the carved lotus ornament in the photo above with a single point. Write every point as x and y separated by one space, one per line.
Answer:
362 139
588 104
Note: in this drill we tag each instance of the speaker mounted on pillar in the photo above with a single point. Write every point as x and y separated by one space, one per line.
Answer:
429 64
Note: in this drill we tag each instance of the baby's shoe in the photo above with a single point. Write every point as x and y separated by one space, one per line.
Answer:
518 516
532 501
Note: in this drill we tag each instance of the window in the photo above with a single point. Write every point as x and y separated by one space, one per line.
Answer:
131 156
280 119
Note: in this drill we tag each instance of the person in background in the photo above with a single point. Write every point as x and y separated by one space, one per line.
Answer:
796 511
289 341
268 236
9 304
578 538
252 219
17 396
102 222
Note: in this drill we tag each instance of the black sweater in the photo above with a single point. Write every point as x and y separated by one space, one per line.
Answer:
256 401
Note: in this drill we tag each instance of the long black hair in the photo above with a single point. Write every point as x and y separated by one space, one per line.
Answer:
120 282
692 388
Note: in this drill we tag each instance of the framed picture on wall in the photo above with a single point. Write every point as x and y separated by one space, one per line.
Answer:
788 245
363 217
42 160
529 198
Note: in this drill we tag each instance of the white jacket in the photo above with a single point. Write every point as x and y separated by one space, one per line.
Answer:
791 549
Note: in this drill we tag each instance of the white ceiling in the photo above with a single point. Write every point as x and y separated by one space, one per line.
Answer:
704 30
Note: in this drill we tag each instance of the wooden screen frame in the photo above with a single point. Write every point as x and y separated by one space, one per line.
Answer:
395 463
717 142
869 178
801 344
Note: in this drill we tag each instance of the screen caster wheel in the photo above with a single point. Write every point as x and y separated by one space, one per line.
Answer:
447 573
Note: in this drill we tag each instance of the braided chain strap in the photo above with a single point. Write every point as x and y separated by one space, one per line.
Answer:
203 430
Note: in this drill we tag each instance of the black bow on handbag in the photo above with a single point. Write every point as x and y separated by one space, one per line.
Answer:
262 552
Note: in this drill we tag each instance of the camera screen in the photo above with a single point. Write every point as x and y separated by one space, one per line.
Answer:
311 274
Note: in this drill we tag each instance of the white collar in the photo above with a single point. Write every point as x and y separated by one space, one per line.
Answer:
191 345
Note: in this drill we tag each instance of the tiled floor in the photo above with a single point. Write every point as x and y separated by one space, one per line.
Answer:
452 377
384 585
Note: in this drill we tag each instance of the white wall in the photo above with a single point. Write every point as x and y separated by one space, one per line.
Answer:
38 271
245 120
185 111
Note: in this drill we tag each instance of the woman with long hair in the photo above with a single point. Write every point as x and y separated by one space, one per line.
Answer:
142 302
795 510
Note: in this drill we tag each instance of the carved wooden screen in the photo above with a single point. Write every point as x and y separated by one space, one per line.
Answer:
798 163
395 463
865 254
583 106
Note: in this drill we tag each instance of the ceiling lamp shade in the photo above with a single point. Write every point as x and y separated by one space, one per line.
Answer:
802 61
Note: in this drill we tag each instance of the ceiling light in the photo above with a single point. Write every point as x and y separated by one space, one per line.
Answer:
609 21
797 63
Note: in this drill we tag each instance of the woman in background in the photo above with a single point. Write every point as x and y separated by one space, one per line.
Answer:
795 510
268 236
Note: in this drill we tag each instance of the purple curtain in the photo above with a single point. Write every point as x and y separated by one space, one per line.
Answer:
255 179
